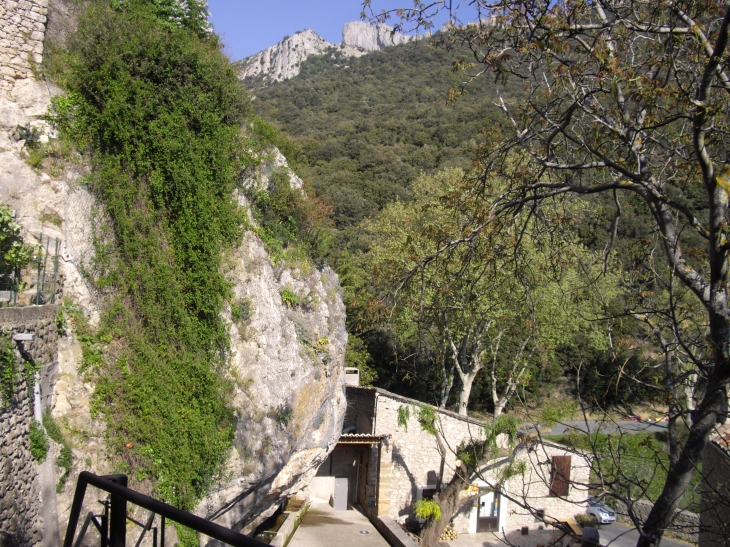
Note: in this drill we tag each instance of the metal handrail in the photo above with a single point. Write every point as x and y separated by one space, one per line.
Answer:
120 495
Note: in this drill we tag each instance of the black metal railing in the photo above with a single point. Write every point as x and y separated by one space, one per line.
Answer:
112 523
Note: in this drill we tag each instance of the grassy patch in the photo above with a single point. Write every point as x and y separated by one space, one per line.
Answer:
65 458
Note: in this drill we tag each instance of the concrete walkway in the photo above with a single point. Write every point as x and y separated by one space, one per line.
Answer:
322 526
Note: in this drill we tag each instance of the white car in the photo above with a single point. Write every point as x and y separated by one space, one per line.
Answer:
600 511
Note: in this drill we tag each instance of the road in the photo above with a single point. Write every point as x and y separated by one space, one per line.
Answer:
619 535
609 427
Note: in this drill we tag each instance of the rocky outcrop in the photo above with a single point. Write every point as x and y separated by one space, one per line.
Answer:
287 362
367 37
287 354
283 60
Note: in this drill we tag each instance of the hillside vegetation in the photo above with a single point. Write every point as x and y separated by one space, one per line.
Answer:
155 107
363 129
361 132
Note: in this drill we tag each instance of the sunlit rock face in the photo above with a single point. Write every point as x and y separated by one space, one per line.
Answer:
283 60
287 365
367 37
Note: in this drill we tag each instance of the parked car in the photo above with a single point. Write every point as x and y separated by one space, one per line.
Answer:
600 511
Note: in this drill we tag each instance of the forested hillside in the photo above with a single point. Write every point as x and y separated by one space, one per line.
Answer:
360 132
363 129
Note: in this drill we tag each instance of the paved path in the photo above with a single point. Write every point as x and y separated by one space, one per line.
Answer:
612 535
619 535
322 526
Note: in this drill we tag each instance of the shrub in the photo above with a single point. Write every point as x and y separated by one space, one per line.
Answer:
289 297
38 442
428 510
585 520
283 414
156 104
242 310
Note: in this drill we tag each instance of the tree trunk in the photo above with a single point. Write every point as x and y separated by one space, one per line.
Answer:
499 407
449 502
447 383
466 382
680 474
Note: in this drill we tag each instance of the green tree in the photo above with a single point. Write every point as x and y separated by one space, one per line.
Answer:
461 305
14 252
627 97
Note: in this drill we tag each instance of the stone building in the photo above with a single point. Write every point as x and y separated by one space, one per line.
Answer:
385 462
715 503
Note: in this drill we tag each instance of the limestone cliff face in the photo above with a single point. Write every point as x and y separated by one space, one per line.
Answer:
286 360
283 60
367 37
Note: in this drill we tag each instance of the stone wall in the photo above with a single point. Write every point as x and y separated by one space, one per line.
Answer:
19 484
684 525
532 487
22 26
410 459
22 502
42 350
715 504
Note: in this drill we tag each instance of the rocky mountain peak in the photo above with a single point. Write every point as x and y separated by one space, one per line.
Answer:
283 60
367 37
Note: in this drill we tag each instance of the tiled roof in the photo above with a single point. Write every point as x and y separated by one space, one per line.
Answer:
361 438
722 437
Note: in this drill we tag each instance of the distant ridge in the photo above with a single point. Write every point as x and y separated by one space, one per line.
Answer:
283 60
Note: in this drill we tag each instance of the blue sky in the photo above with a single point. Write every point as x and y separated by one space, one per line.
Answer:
249 26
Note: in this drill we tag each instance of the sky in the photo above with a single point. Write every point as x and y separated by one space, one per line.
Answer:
250 26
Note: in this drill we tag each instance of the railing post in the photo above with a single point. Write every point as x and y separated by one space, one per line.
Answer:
118 517
73 518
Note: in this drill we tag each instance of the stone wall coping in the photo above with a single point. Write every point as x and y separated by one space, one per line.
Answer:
449 413
721 449
721 440
27 313
392 532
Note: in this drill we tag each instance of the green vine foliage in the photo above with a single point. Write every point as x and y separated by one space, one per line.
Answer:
65 457
292 222
404 414
159 111
38 442
8 369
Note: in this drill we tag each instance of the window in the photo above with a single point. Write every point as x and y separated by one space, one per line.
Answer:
560 476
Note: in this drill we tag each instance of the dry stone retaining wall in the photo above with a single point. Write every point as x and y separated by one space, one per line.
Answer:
715 507
41 322
20 484
22 28
684 525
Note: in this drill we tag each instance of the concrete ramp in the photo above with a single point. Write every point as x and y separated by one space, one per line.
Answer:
322 526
